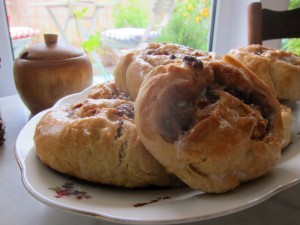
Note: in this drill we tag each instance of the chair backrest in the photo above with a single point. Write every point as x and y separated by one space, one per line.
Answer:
161 13
265 24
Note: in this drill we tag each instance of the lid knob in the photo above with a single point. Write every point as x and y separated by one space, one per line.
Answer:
50 38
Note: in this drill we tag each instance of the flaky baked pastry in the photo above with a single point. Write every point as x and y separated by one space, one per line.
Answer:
287 120
107 90
279 69
96 140
214 125
133 67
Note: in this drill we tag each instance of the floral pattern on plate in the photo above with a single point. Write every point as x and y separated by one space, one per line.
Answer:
68 190
162 206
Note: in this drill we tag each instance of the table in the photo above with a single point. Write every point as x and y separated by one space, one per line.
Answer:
62 24
19 207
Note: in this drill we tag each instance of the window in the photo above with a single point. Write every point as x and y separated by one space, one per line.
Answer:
228 30
189 24
79 23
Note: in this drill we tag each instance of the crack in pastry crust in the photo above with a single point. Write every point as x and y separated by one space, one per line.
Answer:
213 127
96 140
280 70
134 67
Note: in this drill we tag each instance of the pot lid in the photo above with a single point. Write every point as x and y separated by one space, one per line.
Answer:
50 50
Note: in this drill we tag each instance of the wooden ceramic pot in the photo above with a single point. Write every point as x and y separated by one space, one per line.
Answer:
46 72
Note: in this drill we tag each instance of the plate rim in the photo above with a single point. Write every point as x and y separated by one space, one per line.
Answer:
21 156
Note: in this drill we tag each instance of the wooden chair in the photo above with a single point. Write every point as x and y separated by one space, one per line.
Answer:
265 24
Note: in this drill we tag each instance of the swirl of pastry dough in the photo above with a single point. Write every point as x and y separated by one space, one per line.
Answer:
279 69
214 125
96 140
287 120
135 66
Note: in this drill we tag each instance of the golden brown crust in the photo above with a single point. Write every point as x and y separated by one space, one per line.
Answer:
287 120
279 69
96 140
213 127
135 66
107 90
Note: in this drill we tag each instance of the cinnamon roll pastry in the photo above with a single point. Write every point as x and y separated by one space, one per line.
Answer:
287 120
135 66
96 140
214 125
279 69
107 90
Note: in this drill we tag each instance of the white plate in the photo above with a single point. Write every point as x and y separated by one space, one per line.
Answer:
160 206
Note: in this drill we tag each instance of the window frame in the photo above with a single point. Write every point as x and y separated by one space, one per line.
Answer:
229 30
7 85
231 24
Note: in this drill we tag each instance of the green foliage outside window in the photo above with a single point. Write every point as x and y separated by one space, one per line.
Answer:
131 14
189 24
94 40
294 4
